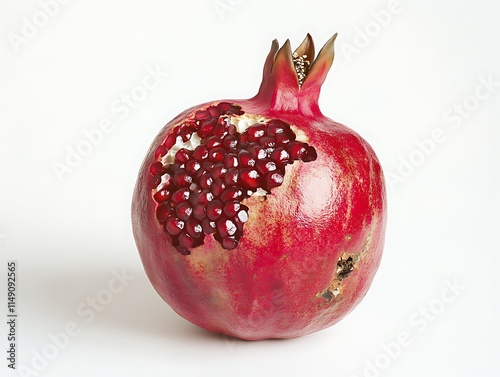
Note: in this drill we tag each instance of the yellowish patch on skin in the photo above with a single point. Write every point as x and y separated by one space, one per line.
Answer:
367 244
284 256
205 262
300 135
220 297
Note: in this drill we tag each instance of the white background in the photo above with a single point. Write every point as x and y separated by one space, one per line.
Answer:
397 86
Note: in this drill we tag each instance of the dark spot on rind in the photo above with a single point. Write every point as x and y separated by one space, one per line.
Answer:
327 295
344 268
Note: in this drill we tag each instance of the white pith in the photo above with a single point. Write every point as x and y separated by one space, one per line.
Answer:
241 122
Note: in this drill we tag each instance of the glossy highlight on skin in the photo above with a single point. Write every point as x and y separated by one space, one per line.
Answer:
312 239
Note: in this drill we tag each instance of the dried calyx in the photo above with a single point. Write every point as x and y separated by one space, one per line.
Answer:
213 161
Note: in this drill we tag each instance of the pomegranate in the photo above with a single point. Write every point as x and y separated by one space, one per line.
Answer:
262 218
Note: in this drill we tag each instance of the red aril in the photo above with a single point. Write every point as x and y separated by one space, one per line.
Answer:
262 218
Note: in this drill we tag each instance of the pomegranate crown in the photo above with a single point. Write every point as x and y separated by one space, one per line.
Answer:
292 81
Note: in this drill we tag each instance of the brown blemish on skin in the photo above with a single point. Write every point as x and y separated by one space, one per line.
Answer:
346 264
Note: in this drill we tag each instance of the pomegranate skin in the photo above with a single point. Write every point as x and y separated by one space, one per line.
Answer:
309 250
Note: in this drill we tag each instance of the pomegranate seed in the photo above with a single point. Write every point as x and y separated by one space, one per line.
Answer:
183 210
217 154
182 178
160 152
265 165
310 154
186 132
199 211
199 173
194 228
224 107
232 193
180 196
212 142
208 226
245 158
231 160
243 140
235 110
208 165
239 226
255 132
274 179
214 111
170 141
183 155
154 181
226 227
204 197
218 187
220 130
268 142
230 142
231 208
183 251
229 243
202 115
214 210
276 126
162 212
231 129
174 225
231 177
281 155
186 241
249 178
258 152
206 181
284 138
156 168
296 149
200 153
206 129
174 168
192 166
162 196
218 171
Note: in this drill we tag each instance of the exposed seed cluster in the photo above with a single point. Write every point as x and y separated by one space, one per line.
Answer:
301 65
201 190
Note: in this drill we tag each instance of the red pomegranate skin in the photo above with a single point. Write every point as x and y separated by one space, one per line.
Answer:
285 278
